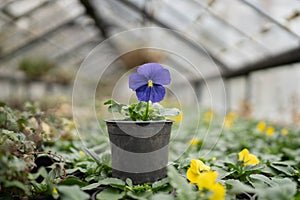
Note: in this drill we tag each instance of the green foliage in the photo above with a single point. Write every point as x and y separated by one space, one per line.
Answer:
138 111
78 172
36 67
72 193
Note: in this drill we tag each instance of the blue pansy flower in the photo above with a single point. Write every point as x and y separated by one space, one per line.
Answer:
148 82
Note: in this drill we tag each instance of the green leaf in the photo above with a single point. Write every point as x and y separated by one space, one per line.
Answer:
286 169
162 196
159 184
109 102
169 112
93 155
253 167
91 186
72 180
139 196
2 104
16 184
261 178
72 193
184 190
114 182
238 187
129 182
110 194
41 172
285 189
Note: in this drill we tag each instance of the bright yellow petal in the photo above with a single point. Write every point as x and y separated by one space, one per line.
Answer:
252 160
54 191
202 166
194 142
191 176
218 191
244 155
196 167
270 131
284 132
207 179
261 126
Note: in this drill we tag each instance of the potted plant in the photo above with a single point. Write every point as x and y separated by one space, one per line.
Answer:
139 142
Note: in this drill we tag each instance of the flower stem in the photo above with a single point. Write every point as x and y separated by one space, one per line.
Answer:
146 111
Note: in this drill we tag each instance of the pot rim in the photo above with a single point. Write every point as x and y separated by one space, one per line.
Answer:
113 121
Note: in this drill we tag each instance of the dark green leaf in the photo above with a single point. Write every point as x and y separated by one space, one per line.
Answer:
110 194
16 184
140 196
109 102
91 186
159 184
288 170
72 180
72 193
238 187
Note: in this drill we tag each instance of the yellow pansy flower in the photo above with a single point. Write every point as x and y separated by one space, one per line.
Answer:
270 131
232 116
228 123
248 158
196 167
54 191
207 181
229 119
284 132
261 126
218 191
194 142
208 116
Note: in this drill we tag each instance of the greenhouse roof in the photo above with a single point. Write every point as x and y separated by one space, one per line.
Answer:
240 35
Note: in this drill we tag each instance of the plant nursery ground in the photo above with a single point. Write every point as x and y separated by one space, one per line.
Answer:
42 157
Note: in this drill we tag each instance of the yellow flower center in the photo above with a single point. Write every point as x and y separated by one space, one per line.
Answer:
150 83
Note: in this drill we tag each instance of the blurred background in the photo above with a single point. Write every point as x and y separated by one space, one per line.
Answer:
250 48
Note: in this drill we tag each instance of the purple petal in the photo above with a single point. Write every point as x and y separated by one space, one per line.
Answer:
156 73
157 93
137 80
143 93
154 94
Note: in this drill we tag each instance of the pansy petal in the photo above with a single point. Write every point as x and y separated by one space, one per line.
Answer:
191 176
137 80
157 93
143 93
156 73
253 160
243 155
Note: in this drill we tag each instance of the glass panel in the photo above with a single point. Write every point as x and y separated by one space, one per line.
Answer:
282 11
28 28
21 7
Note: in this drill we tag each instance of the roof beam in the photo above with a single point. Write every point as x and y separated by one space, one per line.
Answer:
92 12
285 58
223 21
150 17
77 47
264 14
19 50
29 12
279 60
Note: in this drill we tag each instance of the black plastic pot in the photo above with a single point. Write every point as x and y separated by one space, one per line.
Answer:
139 149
